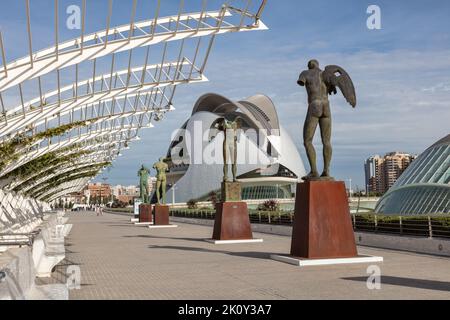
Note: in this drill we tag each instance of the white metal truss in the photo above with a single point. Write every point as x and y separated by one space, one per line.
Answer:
109 109
98 153
96 136
65 188
79 168
76 188
129 37
141 94
102 154
38 188
126 120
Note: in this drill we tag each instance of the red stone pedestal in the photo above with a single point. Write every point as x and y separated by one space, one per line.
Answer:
161 215
322 224
232 222
145 213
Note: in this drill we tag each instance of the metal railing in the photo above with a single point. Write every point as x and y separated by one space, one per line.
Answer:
429 226
256 216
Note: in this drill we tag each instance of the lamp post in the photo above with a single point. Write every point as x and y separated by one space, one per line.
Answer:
101 187
173 194
350 188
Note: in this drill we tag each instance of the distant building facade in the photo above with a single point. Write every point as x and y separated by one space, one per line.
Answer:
383 172
73 198
96 192
125 194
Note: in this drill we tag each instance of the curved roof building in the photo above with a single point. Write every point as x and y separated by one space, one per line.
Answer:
269 163
424 188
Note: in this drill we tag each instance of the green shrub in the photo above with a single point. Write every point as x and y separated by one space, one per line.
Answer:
192 204
269 205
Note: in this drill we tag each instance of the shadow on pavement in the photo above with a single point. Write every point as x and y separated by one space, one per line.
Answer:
409 282
255 255
124 225
170 238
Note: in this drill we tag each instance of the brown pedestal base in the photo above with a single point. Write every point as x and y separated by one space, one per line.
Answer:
161 215
145 213
232 222
322 225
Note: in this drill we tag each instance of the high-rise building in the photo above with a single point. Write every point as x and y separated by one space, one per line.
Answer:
383 172
373 169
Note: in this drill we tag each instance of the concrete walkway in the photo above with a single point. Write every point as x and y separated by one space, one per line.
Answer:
121 261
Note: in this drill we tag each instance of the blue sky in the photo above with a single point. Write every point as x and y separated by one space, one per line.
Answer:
401 73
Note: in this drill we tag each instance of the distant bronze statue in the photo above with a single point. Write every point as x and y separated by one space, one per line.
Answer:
319 84
230 129
143 174
161 180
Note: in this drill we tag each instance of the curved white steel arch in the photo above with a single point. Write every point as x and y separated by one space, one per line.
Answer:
103 153
53 108
131 130
76 51
98 160
39 188
94 134
18 121
99 156
73 186
63 192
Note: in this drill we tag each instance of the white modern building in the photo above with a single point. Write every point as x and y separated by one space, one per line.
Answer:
269 164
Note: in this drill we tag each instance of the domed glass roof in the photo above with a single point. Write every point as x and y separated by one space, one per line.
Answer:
424 188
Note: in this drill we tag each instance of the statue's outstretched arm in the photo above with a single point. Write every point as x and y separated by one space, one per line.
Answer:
302 79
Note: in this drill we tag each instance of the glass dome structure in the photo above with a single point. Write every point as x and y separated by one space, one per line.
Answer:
424 188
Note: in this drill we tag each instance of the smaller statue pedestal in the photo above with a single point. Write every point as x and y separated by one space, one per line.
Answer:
145 213
161 215
322 231
232 224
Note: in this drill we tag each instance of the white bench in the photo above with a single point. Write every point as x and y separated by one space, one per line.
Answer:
48 246
20 218
17 279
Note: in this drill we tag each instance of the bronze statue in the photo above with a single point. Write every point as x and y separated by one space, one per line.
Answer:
161 180
319 84
143 174
230 130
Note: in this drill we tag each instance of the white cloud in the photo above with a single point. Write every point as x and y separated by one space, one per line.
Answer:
393 112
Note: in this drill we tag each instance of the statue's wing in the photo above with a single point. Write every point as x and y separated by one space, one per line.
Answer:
215 128
335 76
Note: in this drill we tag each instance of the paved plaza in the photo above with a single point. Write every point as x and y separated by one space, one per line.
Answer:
119 260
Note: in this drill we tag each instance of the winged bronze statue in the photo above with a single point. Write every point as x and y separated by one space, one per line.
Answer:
229 125
319 84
